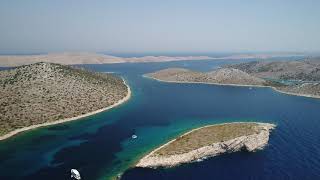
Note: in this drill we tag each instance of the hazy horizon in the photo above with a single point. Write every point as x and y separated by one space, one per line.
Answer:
159 27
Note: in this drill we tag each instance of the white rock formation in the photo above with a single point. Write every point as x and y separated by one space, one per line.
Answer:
250 143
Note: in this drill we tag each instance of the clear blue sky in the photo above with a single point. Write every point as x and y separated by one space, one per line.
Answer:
29 26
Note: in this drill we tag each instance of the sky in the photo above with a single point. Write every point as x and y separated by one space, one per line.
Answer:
32 26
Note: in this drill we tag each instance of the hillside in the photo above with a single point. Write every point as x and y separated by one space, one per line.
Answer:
45 92
219 76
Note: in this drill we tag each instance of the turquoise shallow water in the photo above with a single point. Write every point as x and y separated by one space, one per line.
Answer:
100 146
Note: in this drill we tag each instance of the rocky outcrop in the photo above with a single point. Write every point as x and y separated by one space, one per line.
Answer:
251 143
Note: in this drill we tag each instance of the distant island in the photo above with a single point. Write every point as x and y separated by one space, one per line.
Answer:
209 141
300 78
43 94
70 58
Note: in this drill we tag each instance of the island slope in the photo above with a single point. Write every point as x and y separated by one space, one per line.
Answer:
42 94
209 141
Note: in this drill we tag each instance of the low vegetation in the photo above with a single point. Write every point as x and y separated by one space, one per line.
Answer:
45 92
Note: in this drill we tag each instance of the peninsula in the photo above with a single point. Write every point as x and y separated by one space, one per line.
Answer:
209 141
301 78
43 94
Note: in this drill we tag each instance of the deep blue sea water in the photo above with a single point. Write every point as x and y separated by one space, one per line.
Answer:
101 146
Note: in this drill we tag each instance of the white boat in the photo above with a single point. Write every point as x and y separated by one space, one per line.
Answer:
75 174
134 136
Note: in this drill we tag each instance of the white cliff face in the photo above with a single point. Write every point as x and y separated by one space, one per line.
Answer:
250 143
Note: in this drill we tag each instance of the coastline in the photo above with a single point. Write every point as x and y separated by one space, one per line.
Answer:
150 154
17 131
239 85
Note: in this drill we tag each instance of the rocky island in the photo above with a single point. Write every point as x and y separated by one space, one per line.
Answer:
42 94
209 141
300 78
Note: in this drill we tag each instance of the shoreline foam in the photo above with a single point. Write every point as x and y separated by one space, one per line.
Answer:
17 131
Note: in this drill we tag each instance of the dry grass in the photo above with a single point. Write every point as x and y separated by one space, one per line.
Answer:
207 136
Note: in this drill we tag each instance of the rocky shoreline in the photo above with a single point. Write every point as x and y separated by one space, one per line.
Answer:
251 142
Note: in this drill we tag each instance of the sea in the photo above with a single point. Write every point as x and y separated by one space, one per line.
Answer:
101 146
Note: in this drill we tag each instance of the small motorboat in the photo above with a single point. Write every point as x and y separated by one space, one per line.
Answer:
75 174
134 136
